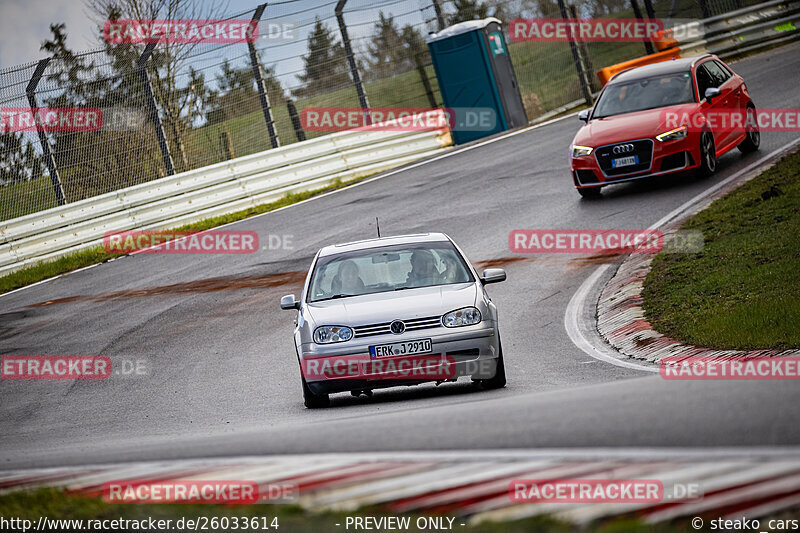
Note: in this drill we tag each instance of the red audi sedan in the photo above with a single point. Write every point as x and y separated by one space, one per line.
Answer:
660 119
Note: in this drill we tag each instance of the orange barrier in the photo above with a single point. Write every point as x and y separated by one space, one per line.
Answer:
605 74
665 40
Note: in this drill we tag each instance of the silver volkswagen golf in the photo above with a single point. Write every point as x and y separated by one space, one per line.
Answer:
395 311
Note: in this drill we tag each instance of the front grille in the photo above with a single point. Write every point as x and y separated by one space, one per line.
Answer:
643 149
382 328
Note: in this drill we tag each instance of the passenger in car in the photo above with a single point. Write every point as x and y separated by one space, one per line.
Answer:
347 280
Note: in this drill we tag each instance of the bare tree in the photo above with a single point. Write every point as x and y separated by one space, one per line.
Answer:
178 103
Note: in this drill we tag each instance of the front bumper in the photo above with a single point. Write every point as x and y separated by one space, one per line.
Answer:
666 158
470 351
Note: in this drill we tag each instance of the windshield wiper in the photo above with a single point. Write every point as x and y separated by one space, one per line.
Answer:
334 297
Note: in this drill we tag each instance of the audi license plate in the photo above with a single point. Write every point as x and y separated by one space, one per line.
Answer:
400 348
625 161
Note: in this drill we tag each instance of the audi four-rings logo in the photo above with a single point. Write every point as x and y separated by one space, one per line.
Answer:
397 327
622 148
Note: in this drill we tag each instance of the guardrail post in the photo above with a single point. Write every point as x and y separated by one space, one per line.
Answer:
362 96
151 104
648 46
262 90
30 92
439 15
587 93
296 124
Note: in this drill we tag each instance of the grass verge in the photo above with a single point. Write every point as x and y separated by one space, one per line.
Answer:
743 290
97 254
55 504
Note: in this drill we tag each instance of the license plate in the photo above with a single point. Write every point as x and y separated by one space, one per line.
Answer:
400 348
624 161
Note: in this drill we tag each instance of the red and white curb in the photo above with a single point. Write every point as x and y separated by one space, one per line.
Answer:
474 486
622 322
621 319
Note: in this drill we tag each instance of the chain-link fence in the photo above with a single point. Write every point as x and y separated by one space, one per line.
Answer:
76 125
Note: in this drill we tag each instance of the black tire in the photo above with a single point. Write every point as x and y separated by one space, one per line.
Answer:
591 192
314 401
499 379
708 156
753 139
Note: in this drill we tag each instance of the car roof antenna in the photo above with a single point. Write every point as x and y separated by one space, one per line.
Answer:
378 225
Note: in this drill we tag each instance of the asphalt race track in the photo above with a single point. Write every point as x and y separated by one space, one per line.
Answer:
222 377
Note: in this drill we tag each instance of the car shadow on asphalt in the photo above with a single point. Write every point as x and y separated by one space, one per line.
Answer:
406 394
673 181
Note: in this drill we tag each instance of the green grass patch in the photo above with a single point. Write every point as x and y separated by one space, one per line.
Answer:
56 504
98 254
743 290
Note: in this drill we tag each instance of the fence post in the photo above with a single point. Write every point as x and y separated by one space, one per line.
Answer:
296 124
262 90
587 92
648 6
225 145
586 61
151 104
705 9
30 92
362 96
424 77
439 15
648 46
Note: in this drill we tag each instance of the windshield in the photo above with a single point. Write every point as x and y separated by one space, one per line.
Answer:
389 268
648 93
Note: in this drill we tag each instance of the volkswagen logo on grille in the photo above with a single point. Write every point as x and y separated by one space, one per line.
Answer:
397 327
622 149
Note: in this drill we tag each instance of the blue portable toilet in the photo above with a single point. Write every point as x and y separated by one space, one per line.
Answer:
475 73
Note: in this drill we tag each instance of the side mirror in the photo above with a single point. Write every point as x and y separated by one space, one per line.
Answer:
288 302
584 115
493 275
711 93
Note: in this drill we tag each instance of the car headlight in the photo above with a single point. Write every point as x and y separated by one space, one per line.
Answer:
330 334
465 316
672 135
580 151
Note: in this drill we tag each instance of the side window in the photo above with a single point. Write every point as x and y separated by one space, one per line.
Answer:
718 74
724 69
704 80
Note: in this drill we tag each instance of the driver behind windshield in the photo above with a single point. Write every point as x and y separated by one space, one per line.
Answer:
347 279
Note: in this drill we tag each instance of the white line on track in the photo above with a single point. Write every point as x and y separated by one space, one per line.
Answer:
573 314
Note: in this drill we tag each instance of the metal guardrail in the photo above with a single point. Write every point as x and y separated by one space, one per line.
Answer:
211 191
744 30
